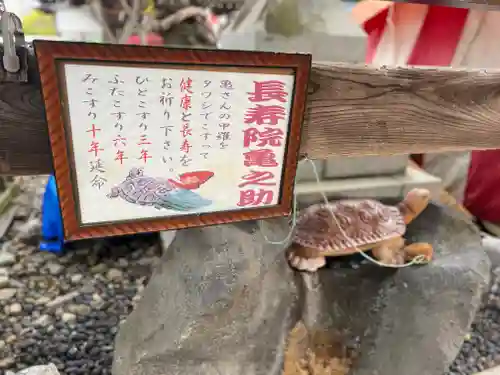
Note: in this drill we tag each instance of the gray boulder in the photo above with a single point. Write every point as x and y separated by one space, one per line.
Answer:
410 321
223 302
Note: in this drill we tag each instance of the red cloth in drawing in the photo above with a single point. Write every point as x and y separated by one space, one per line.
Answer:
192 180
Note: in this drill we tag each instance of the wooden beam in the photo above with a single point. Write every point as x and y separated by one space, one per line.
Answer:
366 110
24 140
352 110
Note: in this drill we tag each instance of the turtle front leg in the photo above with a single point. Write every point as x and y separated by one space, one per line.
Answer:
305 259
417 249
115 192
389 251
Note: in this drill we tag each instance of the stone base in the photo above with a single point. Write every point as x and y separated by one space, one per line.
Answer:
369 187
365 166
223 301
356 166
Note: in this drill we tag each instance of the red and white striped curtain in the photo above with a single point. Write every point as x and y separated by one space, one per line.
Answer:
418 34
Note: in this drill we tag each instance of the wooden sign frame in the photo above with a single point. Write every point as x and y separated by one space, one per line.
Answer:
52 55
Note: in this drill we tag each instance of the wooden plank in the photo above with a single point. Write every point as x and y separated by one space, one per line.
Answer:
365 110
352 110
24 141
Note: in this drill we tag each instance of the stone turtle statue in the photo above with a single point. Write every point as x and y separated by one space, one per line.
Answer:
345 227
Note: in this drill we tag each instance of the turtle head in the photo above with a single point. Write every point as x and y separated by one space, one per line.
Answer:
136 172
414 203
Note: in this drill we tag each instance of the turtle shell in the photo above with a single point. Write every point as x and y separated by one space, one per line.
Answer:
145 191
365 222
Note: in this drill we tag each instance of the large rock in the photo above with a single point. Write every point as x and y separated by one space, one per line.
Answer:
410 321
224 300
221 303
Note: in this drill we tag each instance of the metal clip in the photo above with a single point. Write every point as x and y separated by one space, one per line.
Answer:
10 30
15 59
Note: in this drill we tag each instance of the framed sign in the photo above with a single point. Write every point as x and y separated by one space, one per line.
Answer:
149 138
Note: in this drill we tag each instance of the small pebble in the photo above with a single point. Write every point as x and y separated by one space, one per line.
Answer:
68 317
114 275
79 309
7 294
4 281
15 309
10 339
76 278
42 300
99 268
43 321
7 362
55 269
6 259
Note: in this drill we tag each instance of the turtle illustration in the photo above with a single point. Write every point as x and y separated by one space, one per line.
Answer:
161 193
361 225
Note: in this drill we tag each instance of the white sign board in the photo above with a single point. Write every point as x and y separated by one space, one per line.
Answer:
170 145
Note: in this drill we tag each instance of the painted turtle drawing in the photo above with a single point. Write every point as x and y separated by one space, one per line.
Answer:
162 193
369 224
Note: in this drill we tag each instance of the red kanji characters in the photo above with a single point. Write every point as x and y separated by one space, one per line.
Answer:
268 90
265 114
93 130
186 85
269 136
186 146
120 156
260 158
143 140
121 140
186 130
269 115
95 148
186 102
258 178
145 155
255 197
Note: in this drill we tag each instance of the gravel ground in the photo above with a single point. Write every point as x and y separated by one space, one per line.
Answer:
481 349
67 309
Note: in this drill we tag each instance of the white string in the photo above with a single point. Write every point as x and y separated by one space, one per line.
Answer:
420 259
293 218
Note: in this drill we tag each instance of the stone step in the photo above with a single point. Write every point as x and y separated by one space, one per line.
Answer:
369 187
341 167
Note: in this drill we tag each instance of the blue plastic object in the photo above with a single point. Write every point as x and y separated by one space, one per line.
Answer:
52 227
